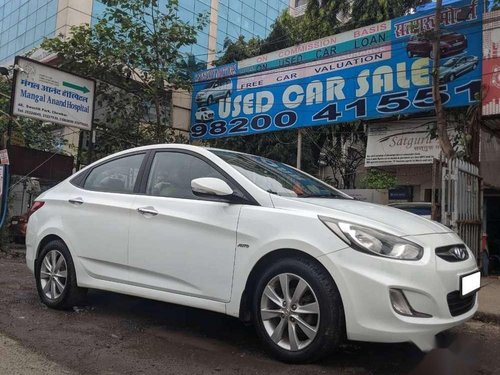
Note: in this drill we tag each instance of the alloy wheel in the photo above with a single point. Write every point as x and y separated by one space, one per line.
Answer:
53 274
289 312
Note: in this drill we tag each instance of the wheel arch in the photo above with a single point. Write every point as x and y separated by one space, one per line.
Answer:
45 240
245 309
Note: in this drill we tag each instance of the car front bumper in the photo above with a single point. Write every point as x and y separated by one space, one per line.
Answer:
364 282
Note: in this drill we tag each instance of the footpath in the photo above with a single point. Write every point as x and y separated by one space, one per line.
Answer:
489 300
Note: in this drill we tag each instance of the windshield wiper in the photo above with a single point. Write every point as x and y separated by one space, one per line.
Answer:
321 196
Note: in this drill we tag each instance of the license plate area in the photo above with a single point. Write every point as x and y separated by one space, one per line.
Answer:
470 283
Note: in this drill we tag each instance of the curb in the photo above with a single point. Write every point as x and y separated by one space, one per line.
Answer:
487 317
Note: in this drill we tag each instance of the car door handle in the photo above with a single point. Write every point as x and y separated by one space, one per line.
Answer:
147 210
76 201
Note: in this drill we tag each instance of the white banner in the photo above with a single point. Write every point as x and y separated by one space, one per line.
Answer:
46 93
402 142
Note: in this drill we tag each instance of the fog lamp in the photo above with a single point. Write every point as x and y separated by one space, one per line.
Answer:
401 305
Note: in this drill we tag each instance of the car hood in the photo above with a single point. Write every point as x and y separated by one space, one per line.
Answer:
373 215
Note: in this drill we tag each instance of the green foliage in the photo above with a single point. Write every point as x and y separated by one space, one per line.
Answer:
190 64
286 31
239 49
378 179
134 53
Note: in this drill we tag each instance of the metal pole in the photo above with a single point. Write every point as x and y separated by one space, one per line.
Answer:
90 150
79 153
9 133
299 149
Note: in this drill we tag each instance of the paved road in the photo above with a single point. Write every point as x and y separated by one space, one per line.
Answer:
119 334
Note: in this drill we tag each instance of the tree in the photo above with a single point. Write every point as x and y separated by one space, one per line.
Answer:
368 12
378 179
441 123
239 49
286 31
134 51
190 64
343 152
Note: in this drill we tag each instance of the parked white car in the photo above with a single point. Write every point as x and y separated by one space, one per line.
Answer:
252 238
218 89
204 114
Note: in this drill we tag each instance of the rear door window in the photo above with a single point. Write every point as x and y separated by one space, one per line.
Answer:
116 176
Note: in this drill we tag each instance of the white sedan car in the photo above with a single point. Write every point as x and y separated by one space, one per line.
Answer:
204 114
252 238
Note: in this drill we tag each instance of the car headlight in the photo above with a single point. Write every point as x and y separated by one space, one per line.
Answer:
373 241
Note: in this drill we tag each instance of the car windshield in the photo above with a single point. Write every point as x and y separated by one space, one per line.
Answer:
450 62
278 178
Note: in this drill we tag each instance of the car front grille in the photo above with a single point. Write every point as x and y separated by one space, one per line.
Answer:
460 305
453 253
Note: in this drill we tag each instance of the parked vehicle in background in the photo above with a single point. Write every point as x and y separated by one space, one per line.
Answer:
423 209
451 43
219 89
204 114
457 66
253 238
17 228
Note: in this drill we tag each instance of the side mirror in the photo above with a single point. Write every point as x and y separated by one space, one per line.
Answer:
210 186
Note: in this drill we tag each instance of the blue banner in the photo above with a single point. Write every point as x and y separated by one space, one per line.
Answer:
372 72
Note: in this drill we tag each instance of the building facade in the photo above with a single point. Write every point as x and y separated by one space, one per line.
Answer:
25 23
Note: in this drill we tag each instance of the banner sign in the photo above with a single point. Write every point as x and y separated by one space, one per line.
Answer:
45 93
404 142
372 72
491 63
4 157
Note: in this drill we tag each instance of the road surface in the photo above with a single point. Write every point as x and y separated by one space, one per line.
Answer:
117 334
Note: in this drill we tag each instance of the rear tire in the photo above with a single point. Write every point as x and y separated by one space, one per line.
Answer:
56 277
308 325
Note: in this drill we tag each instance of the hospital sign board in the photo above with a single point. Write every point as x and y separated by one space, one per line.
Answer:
46 93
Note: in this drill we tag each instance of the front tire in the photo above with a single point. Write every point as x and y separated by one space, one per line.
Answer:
56 277
297 311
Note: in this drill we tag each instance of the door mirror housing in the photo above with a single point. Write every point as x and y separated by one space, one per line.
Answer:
210 186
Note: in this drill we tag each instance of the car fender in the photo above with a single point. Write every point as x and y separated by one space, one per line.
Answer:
262 231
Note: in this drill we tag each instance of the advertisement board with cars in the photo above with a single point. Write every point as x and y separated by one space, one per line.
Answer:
371 72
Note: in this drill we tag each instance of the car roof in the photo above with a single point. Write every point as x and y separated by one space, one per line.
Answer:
172 146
